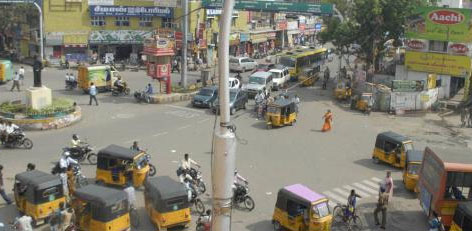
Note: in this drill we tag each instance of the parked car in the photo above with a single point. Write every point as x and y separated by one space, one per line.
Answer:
242 64
263 67
259 81
205 97
237 100
280 77
234 83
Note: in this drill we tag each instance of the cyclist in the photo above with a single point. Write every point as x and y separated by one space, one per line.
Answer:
351 204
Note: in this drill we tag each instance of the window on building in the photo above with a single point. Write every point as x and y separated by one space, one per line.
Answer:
167 22
98 21
122 21
438 46
145 21
233 21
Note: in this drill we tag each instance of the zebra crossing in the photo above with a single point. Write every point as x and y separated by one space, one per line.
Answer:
365 189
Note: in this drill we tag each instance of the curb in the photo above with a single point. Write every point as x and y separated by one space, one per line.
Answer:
172 98
47 123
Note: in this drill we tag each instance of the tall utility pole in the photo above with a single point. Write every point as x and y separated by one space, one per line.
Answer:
183 73
224 153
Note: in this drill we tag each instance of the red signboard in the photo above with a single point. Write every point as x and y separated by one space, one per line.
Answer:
163 70
416 44
458 48
158 51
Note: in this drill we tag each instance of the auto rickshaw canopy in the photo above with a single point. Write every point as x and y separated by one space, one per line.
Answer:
167 194
414 156
390 137
117 152
100 195
38 180
463 214
299 193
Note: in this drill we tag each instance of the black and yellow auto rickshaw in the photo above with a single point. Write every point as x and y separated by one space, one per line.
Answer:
119 166
298 208
38 194
281 112
166 202
342 91
462 220
361 102
100 208
309 76
391 148
412 167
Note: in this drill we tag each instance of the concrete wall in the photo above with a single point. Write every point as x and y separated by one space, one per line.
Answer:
412 101
403 74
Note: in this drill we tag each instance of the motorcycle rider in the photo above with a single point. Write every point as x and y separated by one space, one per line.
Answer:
186 163
119 84
75 147
351 203
64 164
30 167
148 90
135 146
3 129
10 129
259 99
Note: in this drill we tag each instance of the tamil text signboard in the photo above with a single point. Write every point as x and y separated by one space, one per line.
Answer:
438 63
273 6
442 24
152 11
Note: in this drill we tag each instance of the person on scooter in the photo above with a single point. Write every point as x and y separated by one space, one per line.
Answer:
135 147
64 164
238 180
149 90
75 143
10 129
3 131
119 84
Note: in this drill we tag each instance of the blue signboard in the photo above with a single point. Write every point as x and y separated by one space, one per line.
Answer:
153 11
318 26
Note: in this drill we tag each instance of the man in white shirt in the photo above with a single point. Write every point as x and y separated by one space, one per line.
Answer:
16 81
130 193
186 163
238 179
21 72
3 130
9 129
24 223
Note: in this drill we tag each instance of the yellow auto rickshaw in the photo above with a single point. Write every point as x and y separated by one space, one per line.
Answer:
309 76
119 166
281 112
342 91
412 167
361 102
166 202
301 209
99 208
391 148
38 194
462 220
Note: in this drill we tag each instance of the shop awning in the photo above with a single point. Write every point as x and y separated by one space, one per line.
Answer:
119 36
75 40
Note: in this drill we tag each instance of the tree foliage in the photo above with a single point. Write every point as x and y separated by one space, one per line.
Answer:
370 23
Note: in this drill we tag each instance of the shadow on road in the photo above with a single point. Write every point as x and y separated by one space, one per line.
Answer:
260 226
369 163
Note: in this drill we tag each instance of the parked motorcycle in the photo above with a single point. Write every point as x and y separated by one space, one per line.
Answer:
141 96
241 196
82 153
197 178
18 139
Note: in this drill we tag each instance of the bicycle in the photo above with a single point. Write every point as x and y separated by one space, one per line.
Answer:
342 216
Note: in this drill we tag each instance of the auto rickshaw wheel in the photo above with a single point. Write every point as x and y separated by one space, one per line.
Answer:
269 126
100 182
277 226
152 170
376 160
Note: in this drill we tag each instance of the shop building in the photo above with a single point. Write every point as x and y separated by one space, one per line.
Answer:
439 50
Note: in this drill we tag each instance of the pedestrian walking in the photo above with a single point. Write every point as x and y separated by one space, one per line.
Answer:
16 81
2 188
55 220
328 117
23 223
93 94
21 72
388 185
464 115
381 207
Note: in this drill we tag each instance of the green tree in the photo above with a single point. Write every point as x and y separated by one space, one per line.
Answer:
14 14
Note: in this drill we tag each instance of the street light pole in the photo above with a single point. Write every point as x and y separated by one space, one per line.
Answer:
183 74
224 153
41 43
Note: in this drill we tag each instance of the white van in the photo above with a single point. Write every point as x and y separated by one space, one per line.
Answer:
241 64
259 81
280 77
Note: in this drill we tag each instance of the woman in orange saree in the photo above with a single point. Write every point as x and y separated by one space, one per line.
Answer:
328 117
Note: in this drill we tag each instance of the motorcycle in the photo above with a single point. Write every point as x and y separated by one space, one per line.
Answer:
202 226
141 96
193 197
152 168
241 195
116 91
82 152
18 139
197 178
80 179
71 85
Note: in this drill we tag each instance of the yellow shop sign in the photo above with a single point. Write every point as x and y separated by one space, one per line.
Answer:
438 63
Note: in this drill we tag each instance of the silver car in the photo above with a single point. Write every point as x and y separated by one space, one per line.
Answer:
242 64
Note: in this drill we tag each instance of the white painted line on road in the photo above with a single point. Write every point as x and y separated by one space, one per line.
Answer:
268 193
184 127
173 151
374 185
376 179
160 134
203 121
184 108
335 197
365 188
342 192
358 191
175 162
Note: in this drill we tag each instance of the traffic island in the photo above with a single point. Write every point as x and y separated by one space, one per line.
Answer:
179 94
61 113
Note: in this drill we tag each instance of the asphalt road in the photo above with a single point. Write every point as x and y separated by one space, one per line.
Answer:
331 163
